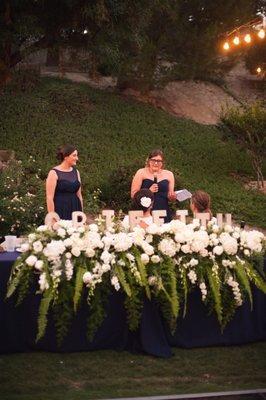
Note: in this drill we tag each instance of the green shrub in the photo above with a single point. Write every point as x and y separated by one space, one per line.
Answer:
248 126
21 197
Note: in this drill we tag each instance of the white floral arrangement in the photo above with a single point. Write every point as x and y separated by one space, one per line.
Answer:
166 262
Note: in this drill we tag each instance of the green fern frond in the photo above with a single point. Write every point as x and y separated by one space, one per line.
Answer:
122 279
256 277
43 311
78 286
215 289
143 275
14 282
243 279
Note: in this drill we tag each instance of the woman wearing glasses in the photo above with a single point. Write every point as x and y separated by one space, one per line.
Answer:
160 181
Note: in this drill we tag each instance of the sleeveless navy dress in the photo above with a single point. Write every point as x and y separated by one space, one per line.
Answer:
161 197
65 198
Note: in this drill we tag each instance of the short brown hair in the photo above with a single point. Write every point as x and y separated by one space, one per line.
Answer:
154 153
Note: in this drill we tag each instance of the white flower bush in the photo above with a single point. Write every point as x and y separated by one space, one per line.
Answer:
161 261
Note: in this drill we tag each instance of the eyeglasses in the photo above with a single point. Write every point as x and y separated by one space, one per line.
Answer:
154 160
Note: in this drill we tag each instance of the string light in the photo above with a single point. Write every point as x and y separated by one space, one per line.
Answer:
236 40
246 33
247 38
259 70
261 34
226 46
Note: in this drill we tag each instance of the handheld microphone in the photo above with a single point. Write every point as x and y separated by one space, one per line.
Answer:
155 179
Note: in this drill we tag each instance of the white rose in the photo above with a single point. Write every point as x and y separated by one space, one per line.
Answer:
37 246
68 242
185 248
76 251
148 248
39 265
31 260
155 259
218 250
144 258
24 247
61 232
193 262
204 253
87 278
68 255
152 280
90 252
247 252
32 237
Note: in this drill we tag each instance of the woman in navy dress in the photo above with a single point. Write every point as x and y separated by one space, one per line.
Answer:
160 181
63 185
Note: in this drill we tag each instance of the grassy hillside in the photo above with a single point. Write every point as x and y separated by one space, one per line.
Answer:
114 136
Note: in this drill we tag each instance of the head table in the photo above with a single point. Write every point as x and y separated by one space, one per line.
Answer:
18 325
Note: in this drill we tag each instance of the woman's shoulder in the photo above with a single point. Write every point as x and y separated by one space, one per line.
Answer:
52 173
141 172
167 173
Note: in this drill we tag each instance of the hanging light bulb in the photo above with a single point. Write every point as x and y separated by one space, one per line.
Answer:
261 34
226 46
247 38
236 40
259 70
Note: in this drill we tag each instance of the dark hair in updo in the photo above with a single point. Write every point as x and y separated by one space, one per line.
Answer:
64 151
137 197
201 201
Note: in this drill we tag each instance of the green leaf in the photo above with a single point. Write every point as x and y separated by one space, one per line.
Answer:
78 286
143 275
122 279
14 282
215 289
243 279
43 310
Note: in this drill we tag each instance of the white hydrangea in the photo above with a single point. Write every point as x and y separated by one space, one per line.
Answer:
54 249
167 247
229 243
122 241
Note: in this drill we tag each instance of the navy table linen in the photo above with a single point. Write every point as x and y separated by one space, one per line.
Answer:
18 325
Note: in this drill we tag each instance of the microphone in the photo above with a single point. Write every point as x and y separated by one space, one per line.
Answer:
155 179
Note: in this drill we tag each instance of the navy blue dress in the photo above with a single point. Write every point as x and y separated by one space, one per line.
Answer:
65 198
161 197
